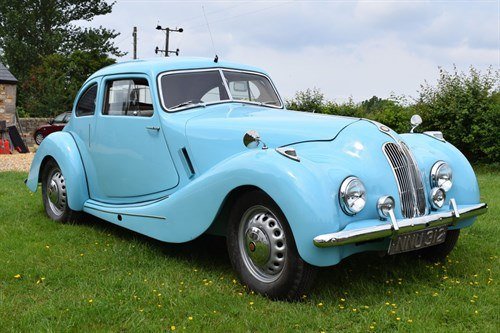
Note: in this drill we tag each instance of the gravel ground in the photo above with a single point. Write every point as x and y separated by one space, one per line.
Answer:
16 162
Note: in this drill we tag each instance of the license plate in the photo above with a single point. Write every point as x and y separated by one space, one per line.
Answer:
417 240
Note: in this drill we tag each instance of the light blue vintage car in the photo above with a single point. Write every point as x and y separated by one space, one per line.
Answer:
174 148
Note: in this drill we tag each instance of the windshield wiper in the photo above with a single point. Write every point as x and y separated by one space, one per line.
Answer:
186 104
268 103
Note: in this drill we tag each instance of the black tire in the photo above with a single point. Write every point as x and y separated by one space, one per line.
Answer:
53 184
39 138
439 252
284 275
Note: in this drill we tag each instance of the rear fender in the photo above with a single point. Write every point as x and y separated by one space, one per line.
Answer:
61 147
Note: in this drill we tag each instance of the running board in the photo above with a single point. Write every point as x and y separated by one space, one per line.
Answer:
121 214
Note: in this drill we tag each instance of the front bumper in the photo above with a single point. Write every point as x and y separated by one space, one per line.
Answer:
401 226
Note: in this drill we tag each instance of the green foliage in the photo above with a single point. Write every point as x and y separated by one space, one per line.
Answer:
51 87
310 100
31 30
466 108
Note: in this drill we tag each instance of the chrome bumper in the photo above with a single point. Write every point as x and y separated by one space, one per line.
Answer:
401 226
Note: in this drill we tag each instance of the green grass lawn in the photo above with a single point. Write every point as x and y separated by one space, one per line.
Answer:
96 276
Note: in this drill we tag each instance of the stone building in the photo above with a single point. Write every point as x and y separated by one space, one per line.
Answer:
8 90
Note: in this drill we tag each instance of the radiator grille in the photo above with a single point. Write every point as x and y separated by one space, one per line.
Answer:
411 188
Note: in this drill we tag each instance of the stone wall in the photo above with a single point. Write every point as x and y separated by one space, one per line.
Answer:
29 126
7 102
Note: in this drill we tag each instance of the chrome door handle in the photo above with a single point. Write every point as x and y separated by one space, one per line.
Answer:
154 128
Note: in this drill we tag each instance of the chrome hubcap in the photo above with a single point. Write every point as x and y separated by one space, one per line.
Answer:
262 243
39 138
56 192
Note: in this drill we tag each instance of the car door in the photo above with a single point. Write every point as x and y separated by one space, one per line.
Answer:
130 156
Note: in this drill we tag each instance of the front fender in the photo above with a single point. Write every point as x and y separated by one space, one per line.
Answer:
427 151
62 148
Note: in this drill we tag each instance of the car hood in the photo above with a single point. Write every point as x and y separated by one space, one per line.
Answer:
218 132
276 127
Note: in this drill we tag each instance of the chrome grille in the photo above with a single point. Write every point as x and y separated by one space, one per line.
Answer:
411 188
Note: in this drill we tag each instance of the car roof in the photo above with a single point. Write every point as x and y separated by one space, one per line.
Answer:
158 65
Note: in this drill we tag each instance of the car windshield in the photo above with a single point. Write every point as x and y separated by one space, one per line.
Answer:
184 90
60 118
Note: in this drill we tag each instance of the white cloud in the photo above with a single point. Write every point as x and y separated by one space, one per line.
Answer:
344 48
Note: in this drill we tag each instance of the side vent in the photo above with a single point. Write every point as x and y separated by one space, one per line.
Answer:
188 165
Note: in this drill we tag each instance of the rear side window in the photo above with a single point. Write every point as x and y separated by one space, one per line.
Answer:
128 97
86 103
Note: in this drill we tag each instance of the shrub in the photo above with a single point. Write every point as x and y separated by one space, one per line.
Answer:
466 108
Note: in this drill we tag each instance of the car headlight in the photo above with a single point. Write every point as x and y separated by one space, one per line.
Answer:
441 176
352 195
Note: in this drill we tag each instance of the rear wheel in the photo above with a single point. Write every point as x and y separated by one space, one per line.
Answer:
39 138
263 251
439 252
54 194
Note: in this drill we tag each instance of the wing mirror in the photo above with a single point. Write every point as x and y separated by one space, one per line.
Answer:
251 140
415 121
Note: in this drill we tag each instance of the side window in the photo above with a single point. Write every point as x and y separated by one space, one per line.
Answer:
86 104
128 97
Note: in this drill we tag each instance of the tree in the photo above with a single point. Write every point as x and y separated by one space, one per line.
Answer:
310 100
32 29
51 87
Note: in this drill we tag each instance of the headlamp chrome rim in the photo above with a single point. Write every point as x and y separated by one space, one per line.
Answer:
346 194
384 205
437 197
440 178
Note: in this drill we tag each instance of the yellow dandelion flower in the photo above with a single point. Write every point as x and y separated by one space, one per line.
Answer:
234 281
435 294
476 312
410 321
387 303
354 310
46 246
251 303
342 299
81 254
91 300
372 327
398 319
172 328
393 312
341 307
190 318
320 304
475 296
17 276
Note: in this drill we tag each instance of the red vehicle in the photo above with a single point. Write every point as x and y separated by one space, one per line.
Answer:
55 125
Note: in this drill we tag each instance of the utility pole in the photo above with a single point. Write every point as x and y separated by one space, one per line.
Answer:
134 34
167 30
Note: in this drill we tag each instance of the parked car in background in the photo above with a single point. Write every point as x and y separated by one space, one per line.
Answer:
55 125
176 147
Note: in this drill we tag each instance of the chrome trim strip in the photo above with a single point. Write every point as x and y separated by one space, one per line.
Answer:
126 214
405 225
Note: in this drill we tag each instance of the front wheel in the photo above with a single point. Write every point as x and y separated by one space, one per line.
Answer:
263 251
54 194
39 138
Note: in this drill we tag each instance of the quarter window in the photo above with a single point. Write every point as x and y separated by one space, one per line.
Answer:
86 104
128 97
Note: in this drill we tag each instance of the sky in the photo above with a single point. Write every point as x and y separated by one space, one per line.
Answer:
347 49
